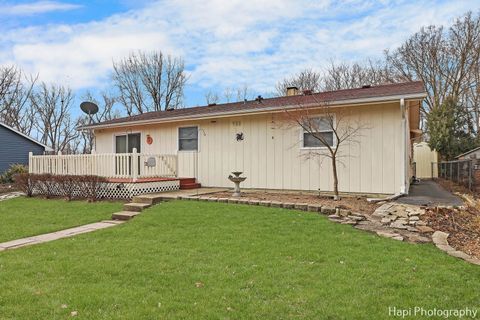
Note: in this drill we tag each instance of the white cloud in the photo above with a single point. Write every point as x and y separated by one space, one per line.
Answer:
225 43
38 7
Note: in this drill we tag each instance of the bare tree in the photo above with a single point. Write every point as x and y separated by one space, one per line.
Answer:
8 76
244 93
343 75
445 60
229 95
211 97
52 104
307 79
329 128
149 82
15 91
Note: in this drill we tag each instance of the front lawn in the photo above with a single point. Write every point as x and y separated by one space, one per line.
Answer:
24 217
201 260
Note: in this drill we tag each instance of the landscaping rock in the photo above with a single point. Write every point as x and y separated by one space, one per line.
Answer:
314 207
358 214
264 203
386 220
343 212
288 205
398 225
253 202
301 206
424 229
418 238
243 201
356 218
223 200
212 199
390 235
458 254
349 222
440 238
276 204
327 210
232 200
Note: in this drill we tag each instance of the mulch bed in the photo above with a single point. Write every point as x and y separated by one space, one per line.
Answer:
6 188
462 225
356 204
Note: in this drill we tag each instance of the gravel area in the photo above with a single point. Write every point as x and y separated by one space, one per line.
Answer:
357 204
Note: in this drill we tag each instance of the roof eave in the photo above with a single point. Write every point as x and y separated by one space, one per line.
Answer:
47 148
349 102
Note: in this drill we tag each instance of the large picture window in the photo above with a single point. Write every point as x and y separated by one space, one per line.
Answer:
188 139
320 128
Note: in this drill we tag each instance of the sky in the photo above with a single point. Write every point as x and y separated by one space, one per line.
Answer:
225 43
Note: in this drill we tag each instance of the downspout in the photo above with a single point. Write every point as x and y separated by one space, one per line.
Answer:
404 178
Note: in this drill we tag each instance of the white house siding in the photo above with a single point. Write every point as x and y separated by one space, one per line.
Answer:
270 155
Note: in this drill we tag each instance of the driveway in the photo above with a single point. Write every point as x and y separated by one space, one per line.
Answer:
428 192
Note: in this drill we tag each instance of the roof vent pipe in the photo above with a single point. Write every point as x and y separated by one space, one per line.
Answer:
292 91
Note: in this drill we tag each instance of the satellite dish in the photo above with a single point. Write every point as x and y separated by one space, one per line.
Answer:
89 108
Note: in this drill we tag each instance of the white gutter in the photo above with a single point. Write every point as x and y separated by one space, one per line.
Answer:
404 179
221 114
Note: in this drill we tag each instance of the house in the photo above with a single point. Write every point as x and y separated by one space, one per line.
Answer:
16 147
208 143
473 154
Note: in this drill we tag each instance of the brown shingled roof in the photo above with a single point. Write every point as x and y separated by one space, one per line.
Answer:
270 104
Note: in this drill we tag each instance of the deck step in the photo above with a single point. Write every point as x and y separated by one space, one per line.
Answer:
150 199
135 206
187 180
124 215
187 186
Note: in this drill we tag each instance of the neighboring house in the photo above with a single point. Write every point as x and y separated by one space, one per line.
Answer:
473 154
16 146
251 136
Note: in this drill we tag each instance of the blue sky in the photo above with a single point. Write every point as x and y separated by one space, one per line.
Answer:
224 43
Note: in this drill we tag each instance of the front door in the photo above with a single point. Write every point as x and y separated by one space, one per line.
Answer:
125 144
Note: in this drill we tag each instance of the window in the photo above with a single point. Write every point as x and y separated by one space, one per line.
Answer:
188 139
323 130
126 143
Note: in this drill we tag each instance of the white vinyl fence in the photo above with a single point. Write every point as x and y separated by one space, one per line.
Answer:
110 165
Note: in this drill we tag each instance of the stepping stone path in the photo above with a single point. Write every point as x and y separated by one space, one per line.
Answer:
400 222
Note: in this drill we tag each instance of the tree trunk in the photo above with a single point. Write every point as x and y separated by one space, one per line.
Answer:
335 179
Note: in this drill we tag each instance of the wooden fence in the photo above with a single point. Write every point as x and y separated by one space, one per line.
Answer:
110 165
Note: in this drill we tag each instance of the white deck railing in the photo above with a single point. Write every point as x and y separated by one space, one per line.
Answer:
110 165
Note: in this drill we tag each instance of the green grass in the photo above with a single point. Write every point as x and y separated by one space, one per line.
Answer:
24 217
252 263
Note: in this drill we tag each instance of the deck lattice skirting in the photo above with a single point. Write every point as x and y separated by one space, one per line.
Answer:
124 190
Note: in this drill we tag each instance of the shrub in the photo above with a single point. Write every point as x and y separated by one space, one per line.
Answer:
45 184
67 185
26 182
90 186
8 176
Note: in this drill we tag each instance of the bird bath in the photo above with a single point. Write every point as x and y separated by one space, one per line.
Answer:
236 179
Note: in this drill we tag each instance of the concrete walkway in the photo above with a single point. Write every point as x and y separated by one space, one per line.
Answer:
430 193
10 195
14 244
